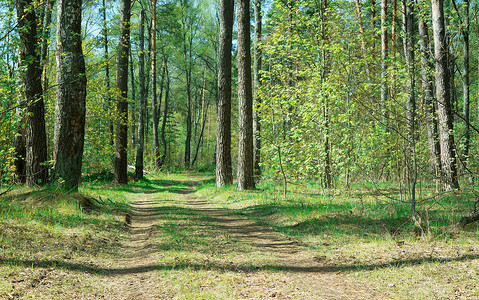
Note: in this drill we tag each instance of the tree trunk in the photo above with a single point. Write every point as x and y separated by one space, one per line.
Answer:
257 84
70 105
154 102
384 67
245 100
466 86
165 114
204 113
121 156
19 142
140 142
363 34
443 93
427 87
408 28
326 116
46 36
36 172
224 175
187 55
107 76
133 100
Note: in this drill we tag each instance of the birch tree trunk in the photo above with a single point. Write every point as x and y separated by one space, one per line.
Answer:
427 88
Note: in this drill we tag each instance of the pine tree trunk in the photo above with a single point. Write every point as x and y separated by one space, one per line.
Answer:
154 102
443 93
224 175
257 84
187 56
108 99
121 156
140 142
133 100
36 172
362 33
466 86
408 43
245 100
384 67
70 96
165 114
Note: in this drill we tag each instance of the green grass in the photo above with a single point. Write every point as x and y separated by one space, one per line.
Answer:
372 238
359 233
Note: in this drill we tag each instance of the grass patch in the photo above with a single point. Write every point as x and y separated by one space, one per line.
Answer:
370 237
43 231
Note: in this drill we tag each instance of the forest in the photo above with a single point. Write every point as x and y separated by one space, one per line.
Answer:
336 124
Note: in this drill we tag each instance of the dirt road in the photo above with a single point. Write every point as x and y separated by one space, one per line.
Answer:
183 247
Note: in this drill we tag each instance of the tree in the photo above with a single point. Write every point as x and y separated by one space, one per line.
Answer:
154 101
69 132
224 175
384 53
140 142
107 73
245 100
443 94
408 28
121 159
428 94
36 171
165 112
257 83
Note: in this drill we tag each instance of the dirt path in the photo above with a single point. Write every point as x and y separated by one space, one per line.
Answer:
249 261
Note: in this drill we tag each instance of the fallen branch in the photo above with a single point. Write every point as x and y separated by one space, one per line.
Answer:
8 190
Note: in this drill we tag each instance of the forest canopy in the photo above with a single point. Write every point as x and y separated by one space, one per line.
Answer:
342 92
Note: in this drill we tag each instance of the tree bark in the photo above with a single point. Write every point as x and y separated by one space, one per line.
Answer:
224 175
154 102
326 116
466 85
257 84
45 38
121 155
19 142
363 34
165 114
428 94
384 67
133 100
140 141
187 53
443 93
70 108
245 100
204 113
408 22
36 172
107 97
